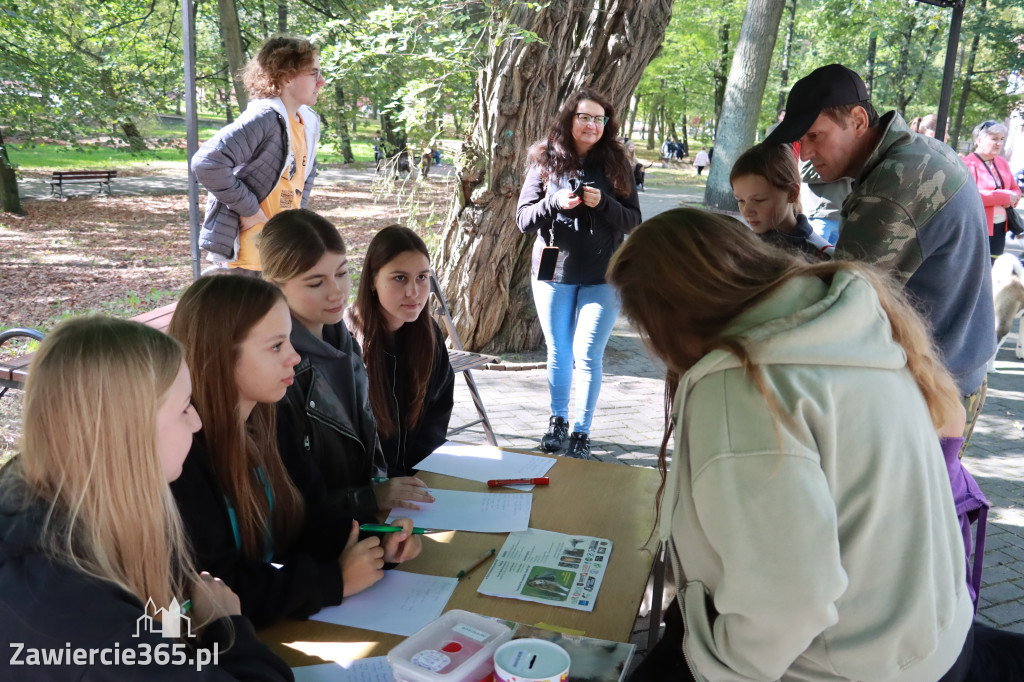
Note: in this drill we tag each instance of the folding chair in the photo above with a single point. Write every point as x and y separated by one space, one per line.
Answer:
462 361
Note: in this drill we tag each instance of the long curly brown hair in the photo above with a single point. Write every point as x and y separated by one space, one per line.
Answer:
556 156
280 58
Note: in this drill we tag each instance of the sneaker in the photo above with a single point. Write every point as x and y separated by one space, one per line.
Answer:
579 446
554 439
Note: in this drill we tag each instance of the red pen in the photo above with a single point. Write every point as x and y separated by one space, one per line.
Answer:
494 483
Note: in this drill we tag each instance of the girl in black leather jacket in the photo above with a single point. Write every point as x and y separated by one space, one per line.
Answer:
325 416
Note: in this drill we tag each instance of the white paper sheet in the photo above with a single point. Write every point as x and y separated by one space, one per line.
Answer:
549 568
484 463
477 512
400 603
376 669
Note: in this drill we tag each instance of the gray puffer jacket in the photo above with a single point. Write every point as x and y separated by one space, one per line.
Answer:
242 164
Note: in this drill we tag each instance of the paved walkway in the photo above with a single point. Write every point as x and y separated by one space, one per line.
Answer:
629 420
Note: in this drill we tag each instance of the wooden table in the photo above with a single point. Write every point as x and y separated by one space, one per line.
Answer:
611 501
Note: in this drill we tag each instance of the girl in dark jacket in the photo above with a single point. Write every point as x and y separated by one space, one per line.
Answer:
91 544
325 416
243 506
580 200
411 380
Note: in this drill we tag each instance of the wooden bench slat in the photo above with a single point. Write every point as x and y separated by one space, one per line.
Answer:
60 178
84 174
462 360
16 369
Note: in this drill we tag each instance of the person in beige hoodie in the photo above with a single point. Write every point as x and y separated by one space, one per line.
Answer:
807 509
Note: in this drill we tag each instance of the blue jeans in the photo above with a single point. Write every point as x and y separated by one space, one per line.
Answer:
577 321
829 229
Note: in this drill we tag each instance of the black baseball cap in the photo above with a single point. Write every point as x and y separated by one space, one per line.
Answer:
825 87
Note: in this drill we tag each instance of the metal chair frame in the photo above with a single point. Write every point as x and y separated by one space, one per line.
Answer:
14 333
462 361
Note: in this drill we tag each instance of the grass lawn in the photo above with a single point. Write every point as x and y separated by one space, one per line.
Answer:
167 141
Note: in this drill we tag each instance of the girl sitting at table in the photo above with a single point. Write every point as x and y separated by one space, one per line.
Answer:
89 533
411 379
326 414
242 505
807 510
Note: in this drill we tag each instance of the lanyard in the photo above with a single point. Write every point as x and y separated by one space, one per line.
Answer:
997 177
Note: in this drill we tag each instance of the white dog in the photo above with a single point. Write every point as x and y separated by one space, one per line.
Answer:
1008 294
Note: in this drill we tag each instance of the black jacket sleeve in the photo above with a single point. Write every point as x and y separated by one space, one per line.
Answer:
622 215
301 587
535 209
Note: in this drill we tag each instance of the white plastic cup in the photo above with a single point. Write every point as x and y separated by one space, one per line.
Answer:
531 660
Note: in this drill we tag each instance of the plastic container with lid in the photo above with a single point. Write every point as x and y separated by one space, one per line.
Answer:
457 647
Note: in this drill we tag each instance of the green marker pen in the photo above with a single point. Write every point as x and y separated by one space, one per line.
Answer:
380 528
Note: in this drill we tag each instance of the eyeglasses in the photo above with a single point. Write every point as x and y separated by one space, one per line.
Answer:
988 124
587 118
317 74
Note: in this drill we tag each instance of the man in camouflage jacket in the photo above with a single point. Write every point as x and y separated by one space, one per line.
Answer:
914 211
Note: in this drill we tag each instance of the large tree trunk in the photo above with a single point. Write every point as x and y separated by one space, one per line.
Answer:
872 52
344 141
686 125
747 79
393 130
131 133
901 79
786 53
632 116
232 35
922 66
9 199
282 16
965 92
720 76
483 260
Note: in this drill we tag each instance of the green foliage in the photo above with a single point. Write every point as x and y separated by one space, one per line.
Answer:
910 39
91 62
82 69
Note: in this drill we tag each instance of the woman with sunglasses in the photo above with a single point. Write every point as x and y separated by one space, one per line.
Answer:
998 188
264 162
580 199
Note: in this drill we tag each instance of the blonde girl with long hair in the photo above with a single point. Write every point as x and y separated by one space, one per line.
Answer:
242 504
90 537
807 509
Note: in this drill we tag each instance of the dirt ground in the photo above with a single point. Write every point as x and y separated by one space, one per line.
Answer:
125 255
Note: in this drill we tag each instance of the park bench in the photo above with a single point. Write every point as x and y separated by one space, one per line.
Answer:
61 178
14 372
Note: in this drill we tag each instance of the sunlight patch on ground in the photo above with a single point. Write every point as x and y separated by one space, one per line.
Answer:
994 466
1007 516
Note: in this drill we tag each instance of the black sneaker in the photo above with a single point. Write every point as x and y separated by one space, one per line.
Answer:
579 446
554 439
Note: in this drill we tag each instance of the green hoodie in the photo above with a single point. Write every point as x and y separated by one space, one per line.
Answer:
824 546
